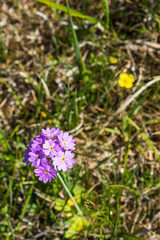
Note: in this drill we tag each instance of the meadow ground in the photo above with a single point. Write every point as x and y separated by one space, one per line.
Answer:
46 80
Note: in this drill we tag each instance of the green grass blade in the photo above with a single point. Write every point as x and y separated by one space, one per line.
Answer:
73 12
130 236
11 183
138 104
80 63
106 12
114 235
3 56
134 172
154 121
10 226
111 130
25 207
126 159
13 92
123 186
144 136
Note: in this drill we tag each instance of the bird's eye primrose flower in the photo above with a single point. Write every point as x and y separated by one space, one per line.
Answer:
54 147
50 150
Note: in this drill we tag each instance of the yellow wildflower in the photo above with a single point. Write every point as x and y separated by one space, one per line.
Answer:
50 121
70 202
126 80
80 225
113 60
43 114
67 214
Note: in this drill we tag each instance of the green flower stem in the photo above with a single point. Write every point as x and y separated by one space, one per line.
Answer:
70 195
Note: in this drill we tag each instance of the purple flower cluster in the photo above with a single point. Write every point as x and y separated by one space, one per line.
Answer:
52 148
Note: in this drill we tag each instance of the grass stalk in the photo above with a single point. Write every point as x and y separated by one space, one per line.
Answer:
25 207
79 60
125 160
70 195
106 12
3 56
145 137
13 92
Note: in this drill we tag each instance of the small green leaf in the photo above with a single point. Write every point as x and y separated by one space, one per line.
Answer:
78 224
112 131
73 12
77 190
61 205
19 144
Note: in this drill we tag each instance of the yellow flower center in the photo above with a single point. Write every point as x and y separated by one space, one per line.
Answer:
63 158
50 134
65 143
46 171
51 148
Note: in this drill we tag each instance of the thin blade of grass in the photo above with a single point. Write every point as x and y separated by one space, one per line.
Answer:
3 55
154 121
144 136
123 186
114 235
13 92
80 62
10 183
73 12
138 104
134 172
10 227
25 207
14 131
127 148
130 236
111 130
106 12
106 236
